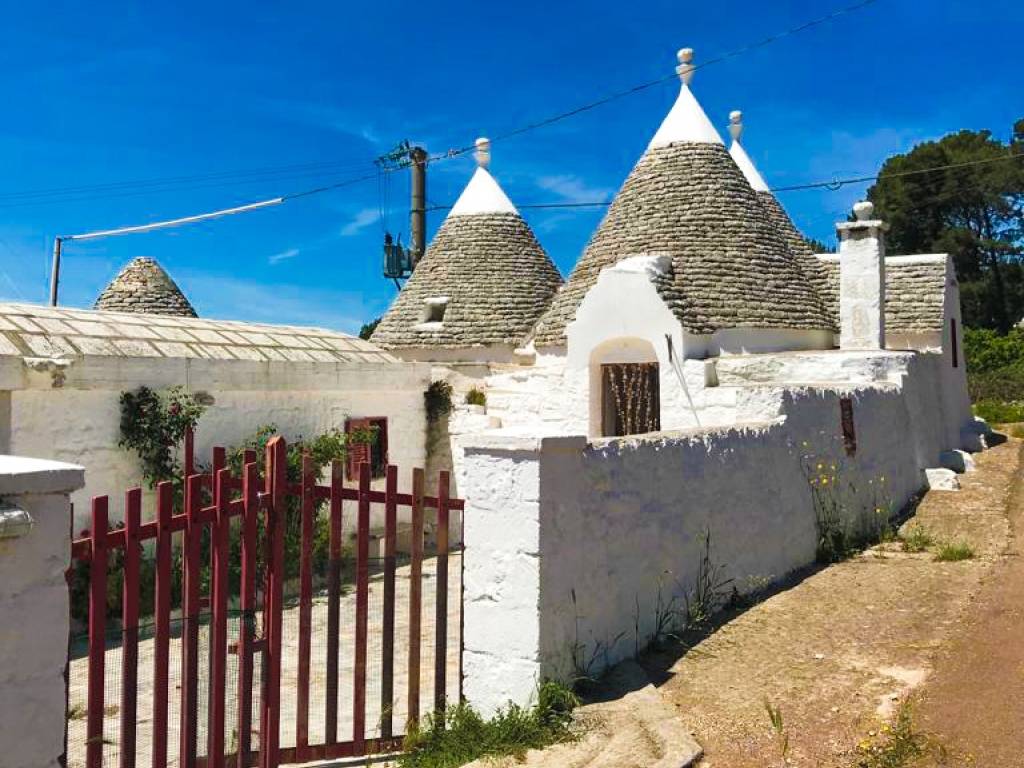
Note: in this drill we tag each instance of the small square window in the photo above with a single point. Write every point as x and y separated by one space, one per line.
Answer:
374 453
434 309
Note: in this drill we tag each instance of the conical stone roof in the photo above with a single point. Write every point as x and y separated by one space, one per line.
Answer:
144 287
484 266
688 199
797 244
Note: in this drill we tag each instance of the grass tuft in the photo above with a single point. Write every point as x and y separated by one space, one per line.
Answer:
463 735
954 551
917 539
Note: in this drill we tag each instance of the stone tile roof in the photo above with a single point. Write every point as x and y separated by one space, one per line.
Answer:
28 330
496 277
915 291
732 268
143 286
798 246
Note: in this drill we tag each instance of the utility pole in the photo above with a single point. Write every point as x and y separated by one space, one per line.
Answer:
55 270
418 204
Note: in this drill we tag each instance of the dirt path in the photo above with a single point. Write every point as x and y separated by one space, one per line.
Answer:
836 652
974 701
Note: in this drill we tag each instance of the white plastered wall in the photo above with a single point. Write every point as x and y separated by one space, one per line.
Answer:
79 421
576 538
34 607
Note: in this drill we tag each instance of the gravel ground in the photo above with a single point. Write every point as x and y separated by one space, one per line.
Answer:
837 651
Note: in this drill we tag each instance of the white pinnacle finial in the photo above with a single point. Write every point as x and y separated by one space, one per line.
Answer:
483 152
863 210
685 68
736 124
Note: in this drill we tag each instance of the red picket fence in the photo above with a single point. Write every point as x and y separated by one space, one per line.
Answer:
235 735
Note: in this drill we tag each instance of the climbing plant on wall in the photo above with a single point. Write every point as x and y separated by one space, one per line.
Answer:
153 424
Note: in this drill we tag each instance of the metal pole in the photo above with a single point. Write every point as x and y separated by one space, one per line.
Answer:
55 273
418 206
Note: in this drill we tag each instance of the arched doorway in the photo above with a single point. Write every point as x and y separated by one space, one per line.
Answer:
625 388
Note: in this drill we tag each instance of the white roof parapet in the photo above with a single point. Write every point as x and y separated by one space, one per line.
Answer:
483 194
57 335
686 121
739 154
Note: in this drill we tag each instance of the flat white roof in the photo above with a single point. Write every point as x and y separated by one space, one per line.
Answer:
29 330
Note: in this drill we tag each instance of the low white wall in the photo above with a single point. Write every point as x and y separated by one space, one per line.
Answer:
79 421
34 612
568 542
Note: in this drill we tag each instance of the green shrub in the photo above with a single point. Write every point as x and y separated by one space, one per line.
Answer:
985 350
476 397
438 400
1004 385
462 735
996 412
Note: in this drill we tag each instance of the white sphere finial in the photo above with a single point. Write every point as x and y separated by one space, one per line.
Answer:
685 68
483 152
735 124
864 210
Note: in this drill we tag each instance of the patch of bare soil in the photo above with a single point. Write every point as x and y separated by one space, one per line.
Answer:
836 652
974 700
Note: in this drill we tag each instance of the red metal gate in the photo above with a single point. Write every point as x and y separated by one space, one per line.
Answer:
243 522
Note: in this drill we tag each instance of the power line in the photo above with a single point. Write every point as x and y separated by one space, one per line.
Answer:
455 152
833 185
836 184
227 177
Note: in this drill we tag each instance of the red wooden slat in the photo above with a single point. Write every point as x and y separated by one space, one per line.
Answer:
441 601
387 669
190 452
415 598
219 629
162 621
97 634
305 603
130 627
323 492
276 477
190 629
362 606
247 599
334 603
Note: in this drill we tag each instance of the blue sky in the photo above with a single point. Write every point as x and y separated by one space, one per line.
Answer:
104 93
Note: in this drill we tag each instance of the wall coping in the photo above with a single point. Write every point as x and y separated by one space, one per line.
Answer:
20 475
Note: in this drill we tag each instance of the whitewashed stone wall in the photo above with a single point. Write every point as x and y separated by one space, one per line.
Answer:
79 421
34 611
568 541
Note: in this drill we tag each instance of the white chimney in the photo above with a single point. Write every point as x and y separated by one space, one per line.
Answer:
862 280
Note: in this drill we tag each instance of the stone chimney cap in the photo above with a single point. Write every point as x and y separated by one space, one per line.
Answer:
685 69
483 152
864 210
735 124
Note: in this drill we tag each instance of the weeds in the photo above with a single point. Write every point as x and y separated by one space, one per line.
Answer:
917 539
954 551
898 745
781 737
850 515
462 735
711 590
584 664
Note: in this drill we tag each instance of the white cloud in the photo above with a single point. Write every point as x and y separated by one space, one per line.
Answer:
290 253
360 221
572 189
